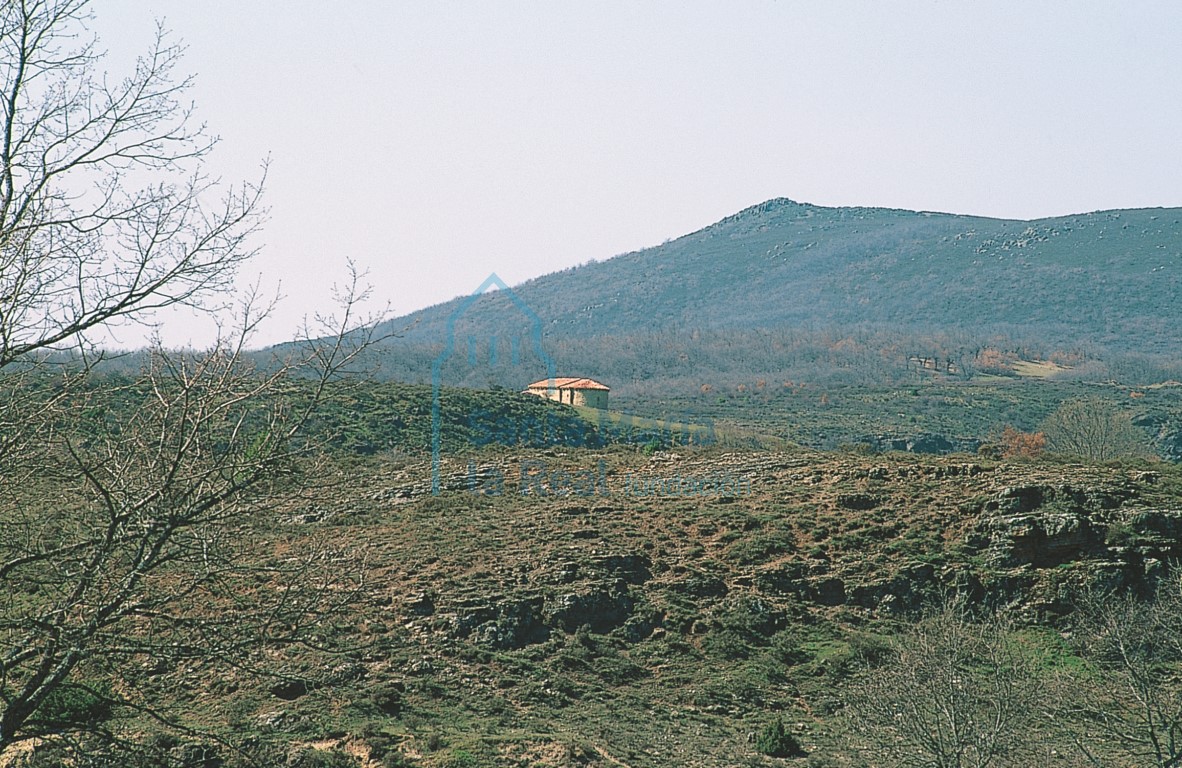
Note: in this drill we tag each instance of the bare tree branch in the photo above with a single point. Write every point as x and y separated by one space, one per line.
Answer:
134 510
104 206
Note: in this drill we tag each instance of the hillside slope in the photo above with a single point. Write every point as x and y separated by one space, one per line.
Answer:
648 629
1108 277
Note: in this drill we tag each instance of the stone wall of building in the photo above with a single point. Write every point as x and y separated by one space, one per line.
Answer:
591 398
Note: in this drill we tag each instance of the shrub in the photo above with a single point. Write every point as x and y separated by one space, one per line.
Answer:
322 758
725 643
74 704
1026 445
871 649
989 451
388 698
774 740
396 759
786 650
462 759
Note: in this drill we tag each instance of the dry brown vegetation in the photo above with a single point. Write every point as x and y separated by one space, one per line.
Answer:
608 630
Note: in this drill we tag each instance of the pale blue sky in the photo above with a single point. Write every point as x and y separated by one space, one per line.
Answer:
436 142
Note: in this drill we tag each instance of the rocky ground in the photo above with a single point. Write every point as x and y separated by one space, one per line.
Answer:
658 610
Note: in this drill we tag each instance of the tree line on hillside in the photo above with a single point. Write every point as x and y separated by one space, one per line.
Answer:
686 361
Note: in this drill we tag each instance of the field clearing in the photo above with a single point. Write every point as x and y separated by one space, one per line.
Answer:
1037 369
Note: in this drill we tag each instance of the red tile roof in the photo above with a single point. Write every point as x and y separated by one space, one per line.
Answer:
568 382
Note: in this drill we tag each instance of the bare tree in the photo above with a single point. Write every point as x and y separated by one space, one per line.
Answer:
1128 700
105 210
133 510
132 544
1095 430
953 692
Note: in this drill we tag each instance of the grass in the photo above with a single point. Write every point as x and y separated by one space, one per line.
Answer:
1049 649
621 427
641 631
1037 369
965 413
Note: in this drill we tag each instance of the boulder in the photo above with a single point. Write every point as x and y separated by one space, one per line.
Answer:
830 591
786 579
601 609
633 568
908 589
502 624
1042 540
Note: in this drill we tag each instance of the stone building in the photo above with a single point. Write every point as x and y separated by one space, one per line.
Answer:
572 391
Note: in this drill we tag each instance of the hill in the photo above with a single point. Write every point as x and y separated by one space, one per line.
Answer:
1092 283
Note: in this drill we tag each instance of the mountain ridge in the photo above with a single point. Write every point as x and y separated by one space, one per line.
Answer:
767 246
891 282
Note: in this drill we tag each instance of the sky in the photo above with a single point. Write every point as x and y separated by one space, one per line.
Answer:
434 143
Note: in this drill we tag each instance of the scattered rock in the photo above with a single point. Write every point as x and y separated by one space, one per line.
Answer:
908 589
785 579
1169 443
1028 498
272 720
700 585
921 443
642 626
502 624
1042 540
858 501
633 569
421 604
289 690
195 755
601 609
